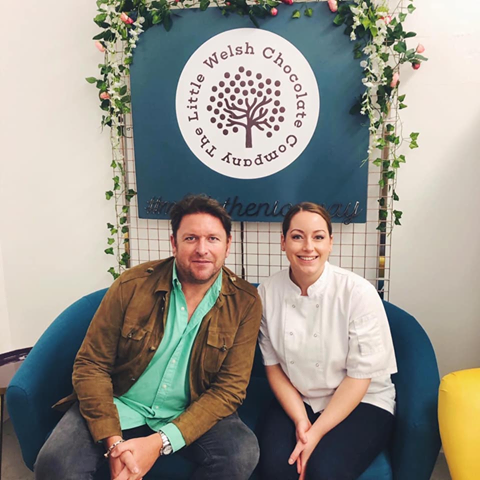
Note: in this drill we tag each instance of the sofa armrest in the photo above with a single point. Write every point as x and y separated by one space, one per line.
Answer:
45 376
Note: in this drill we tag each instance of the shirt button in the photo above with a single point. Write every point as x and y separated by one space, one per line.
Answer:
132 379
292 362
314 334
317 364
293 306
174 361
156 407
183 308
291 333
164 386
318 305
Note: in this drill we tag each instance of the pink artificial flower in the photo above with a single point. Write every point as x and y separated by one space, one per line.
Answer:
273 12
333 5
126 19
387 19
420 48
100 46
416 66
395 79
288 2
104 96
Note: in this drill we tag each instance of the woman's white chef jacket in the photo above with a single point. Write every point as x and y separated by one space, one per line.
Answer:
339 329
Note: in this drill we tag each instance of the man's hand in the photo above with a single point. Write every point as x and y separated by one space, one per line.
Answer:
124 462
145 451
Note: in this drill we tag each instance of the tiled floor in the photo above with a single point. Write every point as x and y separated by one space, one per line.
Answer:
14 469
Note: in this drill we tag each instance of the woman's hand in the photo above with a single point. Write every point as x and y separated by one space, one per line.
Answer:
302 451
301 429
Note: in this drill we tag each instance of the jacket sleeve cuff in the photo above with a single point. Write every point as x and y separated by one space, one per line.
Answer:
174 435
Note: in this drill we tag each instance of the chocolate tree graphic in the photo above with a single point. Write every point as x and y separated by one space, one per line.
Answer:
246 100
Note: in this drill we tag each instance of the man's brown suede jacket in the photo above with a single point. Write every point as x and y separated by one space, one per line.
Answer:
126 331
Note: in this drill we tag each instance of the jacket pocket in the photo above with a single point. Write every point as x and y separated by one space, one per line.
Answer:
131 341
218 346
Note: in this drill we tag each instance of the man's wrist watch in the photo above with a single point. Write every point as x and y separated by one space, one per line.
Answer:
166 445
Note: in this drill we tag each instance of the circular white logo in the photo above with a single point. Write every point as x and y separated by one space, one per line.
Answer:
247 103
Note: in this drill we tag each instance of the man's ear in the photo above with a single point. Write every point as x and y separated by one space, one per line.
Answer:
229 244
174 245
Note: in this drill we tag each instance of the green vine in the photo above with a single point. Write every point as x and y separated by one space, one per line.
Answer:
380 45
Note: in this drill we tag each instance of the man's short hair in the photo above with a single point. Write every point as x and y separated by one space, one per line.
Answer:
202 203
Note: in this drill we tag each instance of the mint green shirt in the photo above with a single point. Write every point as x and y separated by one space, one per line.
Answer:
162 392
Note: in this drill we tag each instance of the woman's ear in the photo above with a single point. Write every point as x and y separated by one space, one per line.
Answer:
282 242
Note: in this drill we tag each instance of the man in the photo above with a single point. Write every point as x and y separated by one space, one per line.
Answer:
165 364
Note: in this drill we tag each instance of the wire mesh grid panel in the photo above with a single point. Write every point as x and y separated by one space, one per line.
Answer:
255 251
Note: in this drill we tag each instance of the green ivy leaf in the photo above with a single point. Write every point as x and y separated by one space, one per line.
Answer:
402 17
414 135
401 158
378 162
113 164
109 225
411 8
109 195
400 47
125 209
382 227
296 14
383 214
167 22
381 201
111 241
308 12
204 5
339 20
123 90
402 106
124 229
123 220
401 98
395 196
390 127
112 272
410 35
109 251
91 79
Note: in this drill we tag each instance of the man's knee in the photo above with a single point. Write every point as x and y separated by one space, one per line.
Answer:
245 456
52 464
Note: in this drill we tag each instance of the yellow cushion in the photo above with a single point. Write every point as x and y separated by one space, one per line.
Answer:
459 420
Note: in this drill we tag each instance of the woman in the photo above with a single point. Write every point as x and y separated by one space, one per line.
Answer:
328 353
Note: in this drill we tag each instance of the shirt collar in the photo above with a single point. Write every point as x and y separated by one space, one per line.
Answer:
317 287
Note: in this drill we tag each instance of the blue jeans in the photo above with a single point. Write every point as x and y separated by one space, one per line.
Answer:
344 453
228 450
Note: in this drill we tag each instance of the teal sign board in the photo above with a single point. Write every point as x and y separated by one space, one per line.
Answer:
256 118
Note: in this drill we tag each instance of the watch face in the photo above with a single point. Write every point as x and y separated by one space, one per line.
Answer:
167 450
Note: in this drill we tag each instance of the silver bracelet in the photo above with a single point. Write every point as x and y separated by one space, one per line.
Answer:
111 447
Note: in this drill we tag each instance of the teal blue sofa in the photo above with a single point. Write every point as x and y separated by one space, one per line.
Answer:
45 377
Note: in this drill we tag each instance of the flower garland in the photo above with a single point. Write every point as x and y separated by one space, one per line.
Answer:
380 45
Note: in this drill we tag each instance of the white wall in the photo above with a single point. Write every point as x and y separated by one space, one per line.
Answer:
54 165
5 339
54 171
436 253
